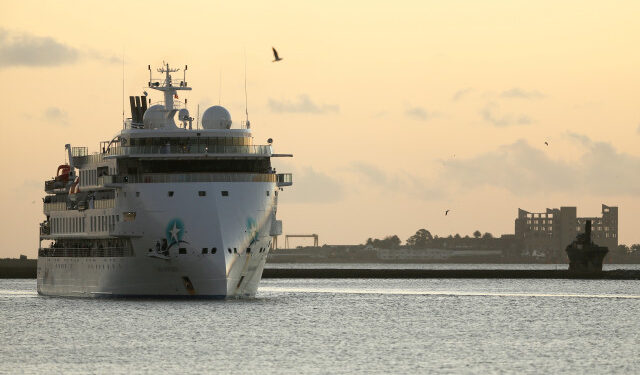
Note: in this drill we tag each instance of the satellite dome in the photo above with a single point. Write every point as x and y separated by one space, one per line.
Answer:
216 117
155 117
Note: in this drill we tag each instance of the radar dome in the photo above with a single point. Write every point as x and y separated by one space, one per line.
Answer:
216 117
155 117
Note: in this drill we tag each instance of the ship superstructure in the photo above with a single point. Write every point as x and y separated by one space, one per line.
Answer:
162 209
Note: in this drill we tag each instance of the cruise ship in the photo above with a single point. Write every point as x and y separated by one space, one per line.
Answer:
169 207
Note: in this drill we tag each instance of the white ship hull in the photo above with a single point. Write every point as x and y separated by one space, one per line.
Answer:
237 225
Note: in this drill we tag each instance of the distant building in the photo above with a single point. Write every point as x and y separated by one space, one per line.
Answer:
550 232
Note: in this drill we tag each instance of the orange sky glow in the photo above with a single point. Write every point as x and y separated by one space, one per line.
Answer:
394 111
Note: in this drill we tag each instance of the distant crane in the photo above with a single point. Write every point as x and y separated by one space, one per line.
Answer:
314 236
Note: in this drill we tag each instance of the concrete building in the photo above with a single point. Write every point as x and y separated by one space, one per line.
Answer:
551 231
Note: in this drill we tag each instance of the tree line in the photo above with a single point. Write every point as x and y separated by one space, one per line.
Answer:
420 239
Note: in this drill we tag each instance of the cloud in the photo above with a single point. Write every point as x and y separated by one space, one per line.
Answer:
56 116
397 181
22 49
311 186
524 170
303 104
30 50
518 93
461 93
420 113
489 114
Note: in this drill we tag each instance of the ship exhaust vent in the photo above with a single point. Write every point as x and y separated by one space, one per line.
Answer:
138 108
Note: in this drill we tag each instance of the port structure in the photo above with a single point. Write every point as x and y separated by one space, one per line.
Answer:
314 236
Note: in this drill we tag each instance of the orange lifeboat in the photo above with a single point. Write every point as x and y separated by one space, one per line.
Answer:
63 172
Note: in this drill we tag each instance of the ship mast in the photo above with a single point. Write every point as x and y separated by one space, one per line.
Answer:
166 85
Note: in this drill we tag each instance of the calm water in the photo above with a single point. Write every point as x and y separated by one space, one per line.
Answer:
333 326
446 266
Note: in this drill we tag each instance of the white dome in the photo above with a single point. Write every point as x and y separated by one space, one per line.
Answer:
216 117
155 117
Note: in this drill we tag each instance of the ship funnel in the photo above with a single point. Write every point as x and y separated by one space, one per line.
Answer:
138 108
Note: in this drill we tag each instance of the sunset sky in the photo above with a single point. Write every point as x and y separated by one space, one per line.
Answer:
394 111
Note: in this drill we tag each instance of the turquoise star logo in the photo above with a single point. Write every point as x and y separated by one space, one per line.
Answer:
174 231
252 228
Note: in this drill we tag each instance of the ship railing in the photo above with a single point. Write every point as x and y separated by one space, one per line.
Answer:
55 206
81 205
155 178
80 252
103 203
284 179
129 124
88 159
116 150
79 151
177 104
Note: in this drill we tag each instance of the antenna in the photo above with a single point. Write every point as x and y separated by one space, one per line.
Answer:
123 84
246 100
220 88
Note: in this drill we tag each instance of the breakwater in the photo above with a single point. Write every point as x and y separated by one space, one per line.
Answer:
357 273
26 269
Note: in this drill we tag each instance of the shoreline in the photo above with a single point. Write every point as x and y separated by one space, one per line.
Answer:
27 269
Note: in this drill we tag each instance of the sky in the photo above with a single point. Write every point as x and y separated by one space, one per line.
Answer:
394 111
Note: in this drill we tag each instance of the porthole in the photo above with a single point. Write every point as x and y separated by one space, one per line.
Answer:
225 193
182 250
248 250
229 250
213 250
235 250
202 193
170 194
205 250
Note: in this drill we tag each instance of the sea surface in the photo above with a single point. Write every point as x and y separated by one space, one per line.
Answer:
445 266
333 326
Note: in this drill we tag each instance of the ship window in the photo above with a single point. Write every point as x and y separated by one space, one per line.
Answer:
235 250
170 193
225 193
229 250
248 250
213 250
205 250
182 250
267 193
202 193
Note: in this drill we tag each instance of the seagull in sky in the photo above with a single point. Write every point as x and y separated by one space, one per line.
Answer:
446 212
275 55
546 143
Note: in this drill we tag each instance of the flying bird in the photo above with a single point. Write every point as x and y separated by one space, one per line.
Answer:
446 212
275 55
546 143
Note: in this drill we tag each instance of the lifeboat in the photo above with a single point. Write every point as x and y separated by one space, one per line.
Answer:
63 173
